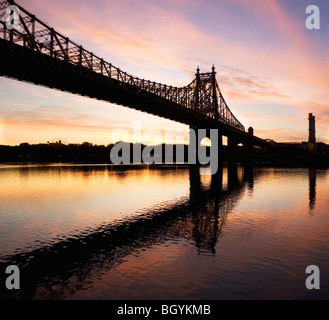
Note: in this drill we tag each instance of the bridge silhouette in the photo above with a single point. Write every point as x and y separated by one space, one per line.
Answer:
34 52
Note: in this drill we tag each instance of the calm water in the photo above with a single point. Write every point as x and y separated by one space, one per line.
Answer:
104 232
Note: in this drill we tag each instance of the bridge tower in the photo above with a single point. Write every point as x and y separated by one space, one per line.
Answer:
214 93
206 102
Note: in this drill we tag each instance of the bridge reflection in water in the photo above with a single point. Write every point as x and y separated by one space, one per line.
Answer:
58 271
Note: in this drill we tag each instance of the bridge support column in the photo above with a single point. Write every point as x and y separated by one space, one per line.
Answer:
195 138
249 145
195 183
232 144
220 144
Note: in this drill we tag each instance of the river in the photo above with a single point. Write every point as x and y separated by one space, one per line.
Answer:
123 232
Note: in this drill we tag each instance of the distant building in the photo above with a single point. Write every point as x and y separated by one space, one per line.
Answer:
311 146
311 137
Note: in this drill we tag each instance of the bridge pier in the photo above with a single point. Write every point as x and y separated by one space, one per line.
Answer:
196 136
249 144
232 144
196 191
246 141
195 184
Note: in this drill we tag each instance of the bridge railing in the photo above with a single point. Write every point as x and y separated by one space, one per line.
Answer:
32 33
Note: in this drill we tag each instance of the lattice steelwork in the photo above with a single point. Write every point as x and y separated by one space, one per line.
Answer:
202 95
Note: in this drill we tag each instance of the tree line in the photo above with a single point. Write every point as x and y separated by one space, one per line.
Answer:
59 152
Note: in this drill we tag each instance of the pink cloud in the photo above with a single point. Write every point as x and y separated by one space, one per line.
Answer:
159 37
19 104
275 117
161 43
282 134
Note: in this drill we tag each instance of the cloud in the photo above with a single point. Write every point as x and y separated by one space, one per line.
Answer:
18 104
152 35
16 86
321 111
286 119
244 86
260 49
282 134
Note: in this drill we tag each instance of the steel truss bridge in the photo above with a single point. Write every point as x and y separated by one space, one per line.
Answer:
34 52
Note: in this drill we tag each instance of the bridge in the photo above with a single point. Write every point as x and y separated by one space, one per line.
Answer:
33 52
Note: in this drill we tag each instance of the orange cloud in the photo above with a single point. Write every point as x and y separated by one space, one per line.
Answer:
18 104
162 43
282 134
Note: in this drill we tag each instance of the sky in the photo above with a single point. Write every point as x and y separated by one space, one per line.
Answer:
271 69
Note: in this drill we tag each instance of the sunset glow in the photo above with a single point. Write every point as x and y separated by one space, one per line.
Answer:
272 71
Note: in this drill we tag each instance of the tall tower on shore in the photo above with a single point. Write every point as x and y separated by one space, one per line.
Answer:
311 136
